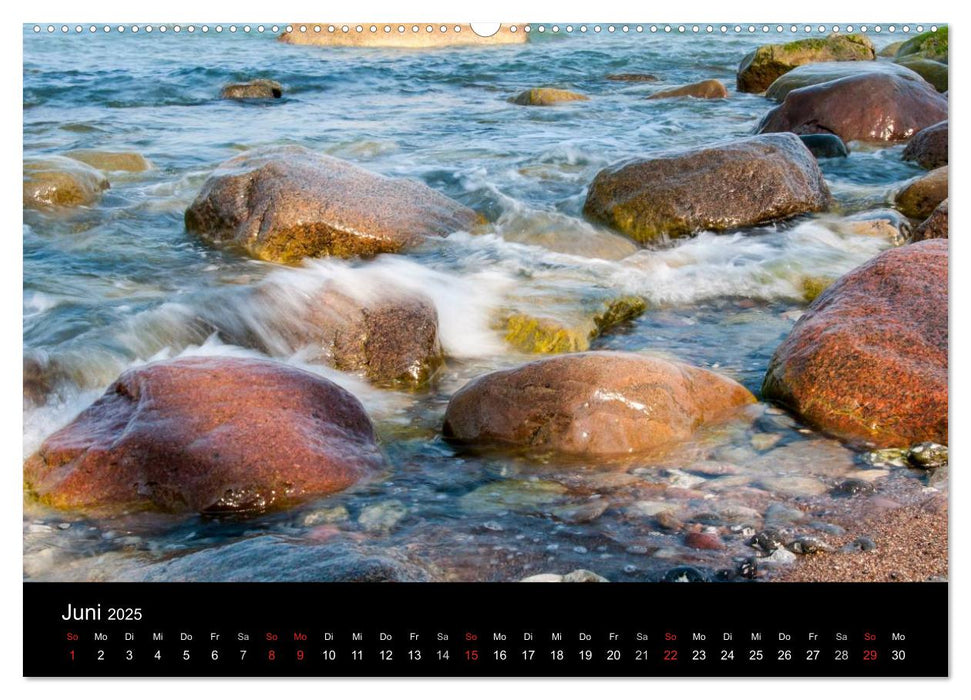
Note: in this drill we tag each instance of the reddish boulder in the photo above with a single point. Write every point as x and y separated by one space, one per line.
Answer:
721 187
867 362
207 434
934 226
929 146
288 203
592 403
866 107
706 89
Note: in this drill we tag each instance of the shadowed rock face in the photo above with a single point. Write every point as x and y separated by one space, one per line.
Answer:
866 107
731 185
707 89
543 97
867 362
934 226
56 181
918 199
934 72
285 204
929 147
759 68
207 434
825 145
260 89
816 73
595 403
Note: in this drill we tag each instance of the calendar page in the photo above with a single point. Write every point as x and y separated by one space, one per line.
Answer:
327 326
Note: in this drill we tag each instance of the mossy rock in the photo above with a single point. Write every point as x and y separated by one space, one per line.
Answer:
761 67
932 45
550 336
890 50
933 72
813 286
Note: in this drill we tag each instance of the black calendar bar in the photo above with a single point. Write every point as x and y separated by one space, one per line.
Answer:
456 629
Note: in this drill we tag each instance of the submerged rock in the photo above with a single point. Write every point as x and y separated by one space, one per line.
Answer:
919 198
730 185
577 576
931 45
56 181
825 145
866 107
934 226
890 50
595 403
761 67
933 72
929 147
633 77
551 336
542 97
271 558
817 73
117 161
868 360
706 89
207 434
286 203
260 89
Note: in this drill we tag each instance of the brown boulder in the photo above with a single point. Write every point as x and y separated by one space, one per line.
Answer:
866 107
391 337
288 203
707 89
919 198
867 362
731 185
260 89
759 68
929 147
543 97
207 434
116 161
817 73
934 226
56 181
593 403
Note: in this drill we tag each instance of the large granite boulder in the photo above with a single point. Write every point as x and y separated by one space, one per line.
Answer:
867 362
934 226
207 434
759 68
726 186
932 45
919 198
934 72
816 73
592 403
287 203
866 107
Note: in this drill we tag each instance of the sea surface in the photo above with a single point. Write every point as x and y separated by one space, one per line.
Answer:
121 283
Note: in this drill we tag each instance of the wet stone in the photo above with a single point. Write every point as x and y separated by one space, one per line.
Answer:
382 517
767 541
861 544
928 455
852 487
703 540
828 528
764 441
809 545
325 516
889 457
780 556
581 512
668 521
685 574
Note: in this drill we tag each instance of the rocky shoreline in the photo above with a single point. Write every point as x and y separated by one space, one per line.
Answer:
865 366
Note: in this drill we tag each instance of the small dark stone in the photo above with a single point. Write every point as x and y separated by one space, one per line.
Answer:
861 544
686 574
852 487
928 455
825 145
767 540
809 545
749 568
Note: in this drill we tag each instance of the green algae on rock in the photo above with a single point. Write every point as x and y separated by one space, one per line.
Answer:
932 45
544 335
762 66
934 72
725 186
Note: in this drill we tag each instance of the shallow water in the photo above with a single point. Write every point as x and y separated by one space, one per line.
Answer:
122 283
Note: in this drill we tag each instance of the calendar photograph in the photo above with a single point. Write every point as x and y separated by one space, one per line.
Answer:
523 303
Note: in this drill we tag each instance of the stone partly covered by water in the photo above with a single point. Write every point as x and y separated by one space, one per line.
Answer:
259 89
816 73
597 403
208 434
868 361
825 145
762 66
56 181
866 107
921 196
544 97
726 186
112 161
287 203
706 89
928 148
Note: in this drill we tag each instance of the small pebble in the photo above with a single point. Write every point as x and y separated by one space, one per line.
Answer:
928 455
809 545
852 487
685 574
703 540
767 540
861 544
780 556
